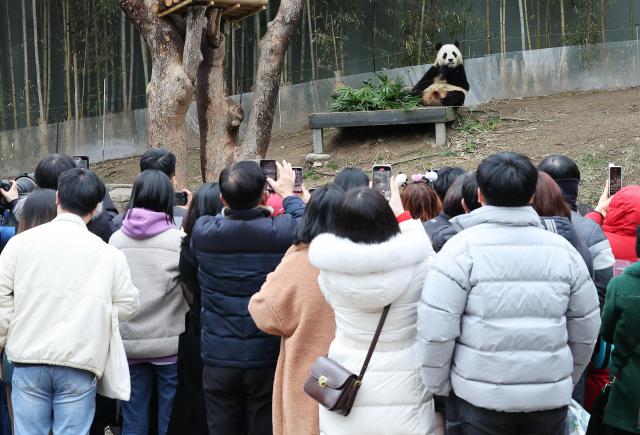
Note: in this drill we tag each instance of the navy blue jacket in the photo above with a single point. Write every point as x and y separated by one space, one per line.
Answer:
235 253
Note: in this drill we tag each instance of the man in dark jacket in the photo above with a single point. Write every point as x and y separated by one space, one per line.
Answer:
566 173
236 250
461 198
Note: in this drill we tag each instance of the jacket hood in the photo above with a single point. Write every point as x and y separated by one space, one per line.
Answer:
140 223
623 215
633 270
509 216
337 254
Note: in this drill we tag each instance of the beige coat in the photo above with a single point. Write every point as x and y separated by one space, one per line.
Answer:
291 305
58 286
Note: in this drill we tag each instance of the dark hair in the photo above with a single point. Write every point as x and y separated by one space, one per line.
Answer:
560 167
507 179
421 200
242 185
160 160
548 200
50 168
205 202
153 191
39 208
446 176
364 216
470 191
320 213
452 204
80 191
351 178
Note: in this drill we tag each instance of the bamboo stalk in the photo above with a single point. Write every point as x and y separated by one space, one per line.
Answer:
526 23
563 27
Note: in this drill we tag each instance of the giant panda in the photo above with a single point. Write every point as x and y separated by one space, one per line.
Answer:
445 84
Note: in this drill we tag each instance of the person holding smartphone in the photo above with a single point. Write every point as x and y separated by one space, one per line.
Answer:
619 215
235 252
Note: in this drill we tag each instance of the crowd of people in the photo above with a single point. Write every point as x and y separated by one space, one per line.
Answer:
494 291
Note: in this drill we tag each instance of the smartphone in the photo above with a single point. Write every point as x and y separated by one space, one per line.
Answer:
297 186
180 198
615 179
81 161
270 170
382 179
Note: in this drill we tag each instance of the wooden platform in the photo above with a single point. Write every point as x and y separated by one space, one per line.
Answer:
424 115
232 9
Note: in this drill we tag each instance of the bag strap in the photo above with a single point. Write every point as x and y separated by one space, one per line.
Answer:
374 342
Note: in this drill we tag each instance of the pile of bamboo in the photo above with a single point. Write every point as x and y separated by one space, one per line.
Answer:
232 9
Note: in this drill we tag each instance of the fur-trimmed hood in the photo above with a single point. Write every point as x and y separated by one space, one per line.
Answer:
337 254
371 275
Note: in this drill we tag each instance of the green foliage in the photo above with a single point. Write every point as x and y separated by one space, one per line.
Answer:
386 94
474 127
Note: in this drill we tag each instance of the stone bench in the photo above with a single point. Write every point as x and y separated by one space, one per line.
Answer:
424 115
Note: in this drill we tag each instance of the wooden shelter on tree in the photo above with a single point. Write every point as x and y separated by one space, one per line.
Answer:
231 9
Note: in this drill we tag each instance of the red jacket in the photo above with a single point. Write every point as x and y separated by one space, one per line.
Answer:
621 223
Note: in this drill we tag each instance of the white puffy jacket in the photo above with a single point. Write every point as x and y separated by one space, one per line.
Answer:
509 315
359 280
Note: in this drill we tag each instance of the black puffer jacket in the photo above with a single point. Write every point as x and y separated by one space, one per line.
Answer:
440 231
564 227
235 253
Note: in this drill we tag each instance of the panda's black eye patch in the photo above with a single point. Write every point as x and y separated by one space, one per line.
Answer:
455 54
444 55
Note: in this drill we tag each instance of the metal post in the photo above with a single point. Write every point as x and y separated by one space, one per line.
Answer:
104 114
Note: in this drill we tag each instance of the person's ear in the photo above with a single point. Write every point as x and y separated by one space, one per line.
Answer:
481 199
265 197
464 206
223 201
57 199
532 198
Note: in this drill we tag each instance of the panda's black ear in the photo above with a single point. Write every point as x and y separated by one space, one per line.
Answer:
438 46
457 44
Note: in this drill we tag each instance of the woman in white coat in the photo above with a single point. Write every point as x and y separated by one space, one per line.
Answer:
377 256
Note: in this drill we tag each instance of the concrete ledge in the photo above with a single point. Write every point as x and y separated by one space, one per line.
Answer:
423 115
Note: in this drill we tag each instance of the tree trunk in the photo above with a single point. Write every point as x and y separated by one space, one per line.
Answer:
272 50
603 21
11 69
488 25
219 116
563 27
175 62
27 103
123 61
256 46
36 51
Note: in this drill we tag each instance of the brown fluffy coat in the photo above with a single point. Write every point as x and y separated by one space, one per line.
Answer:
291 305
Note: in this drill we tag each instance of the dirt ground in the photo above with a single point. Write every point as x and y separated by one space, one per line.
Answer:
594 128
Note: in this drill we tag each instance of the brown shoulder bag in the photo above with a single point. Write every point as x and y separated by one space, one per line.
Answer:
335 387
